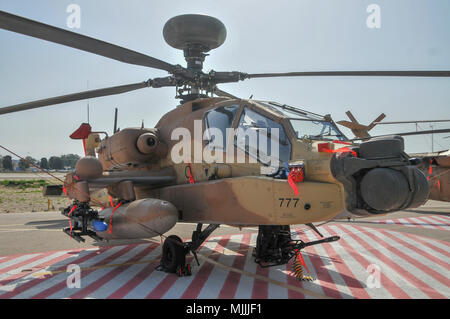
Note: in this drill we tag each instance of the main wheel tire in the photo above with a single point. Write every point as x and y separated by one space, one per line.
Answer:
173 254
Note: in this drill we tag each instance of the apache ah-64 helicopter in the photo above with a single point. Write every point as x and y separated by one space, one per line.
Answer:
320 173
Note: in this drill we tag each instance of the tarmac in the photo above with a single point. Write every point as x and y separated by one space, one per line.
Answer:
400 255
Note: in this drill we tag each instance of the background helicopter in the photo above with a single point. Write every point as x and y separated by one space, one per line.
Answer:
153 193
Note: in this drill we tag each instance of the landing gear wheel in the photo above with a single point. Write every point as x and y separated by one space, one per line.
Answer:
174 251
173 254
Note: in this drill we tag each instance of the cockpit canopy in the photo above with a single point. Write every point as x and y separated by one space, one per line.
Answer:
307 124
261 129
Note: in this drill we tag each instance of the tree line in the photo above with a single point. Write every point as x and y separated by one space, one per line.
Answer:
54 162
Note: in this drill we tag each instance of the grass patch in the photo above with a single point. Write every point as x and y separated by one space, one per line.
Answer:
32 183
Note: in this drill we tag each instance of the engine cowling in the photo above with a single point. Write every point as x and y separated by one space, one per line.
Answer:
131 147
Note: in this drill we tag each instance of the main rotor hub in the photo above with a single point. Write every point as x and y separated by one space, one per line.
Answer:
195 34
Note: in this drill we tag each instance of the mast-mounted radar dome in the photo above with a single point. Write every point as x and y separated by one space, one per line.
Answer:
195 34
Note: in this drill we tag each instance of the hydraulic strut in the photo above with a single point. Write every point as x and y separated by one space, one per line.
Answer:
275 246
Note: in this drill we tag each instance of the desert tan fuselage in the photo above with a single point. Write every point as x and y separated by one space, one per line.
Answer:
238 195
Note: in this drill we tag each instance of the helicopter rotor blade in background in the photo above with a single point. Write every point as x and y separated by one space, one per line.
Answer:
405 134
351 73
352 125
53 34
75 97
351 117
376 121
412 122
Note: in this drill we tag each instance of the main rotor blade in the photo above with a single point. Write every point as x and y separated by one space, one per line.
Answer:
352 73
74 97
53 34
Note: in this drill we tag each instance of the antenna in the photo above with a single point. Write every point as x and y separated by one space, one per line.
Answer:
115 121
432 138
88 104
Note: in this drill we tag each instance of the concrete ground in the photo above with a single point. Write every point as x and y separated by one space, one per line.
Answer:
42 231
400 255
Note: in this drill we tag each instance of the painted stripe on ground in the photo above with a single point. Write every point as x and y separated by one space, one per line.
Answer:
440 222
410 267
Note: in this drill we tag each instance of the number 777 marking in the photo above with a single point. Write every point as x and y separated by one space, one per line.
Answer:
288 200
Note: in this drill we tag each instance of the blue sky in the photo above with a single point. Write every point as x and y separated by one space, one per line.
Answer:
263 36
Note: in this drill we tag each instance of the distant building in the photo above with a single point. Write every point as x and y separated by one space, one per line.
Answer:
15 163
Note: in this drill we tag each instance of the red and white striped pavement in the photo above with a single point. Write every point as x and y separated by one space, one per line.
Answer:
441 222
407 266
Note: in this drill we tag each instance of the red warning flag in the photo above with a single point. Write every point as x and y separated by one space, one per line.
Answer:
189 169
292 184
65 192
112 214
82 132
325 147
296 175
301 260
70 222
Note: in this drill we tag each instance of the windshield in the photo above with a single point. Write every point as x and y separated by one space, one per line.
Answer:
220 118
262 138
316 130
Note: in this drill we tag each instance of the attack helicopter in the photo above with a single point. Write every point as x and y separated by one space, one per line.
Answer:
313 174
